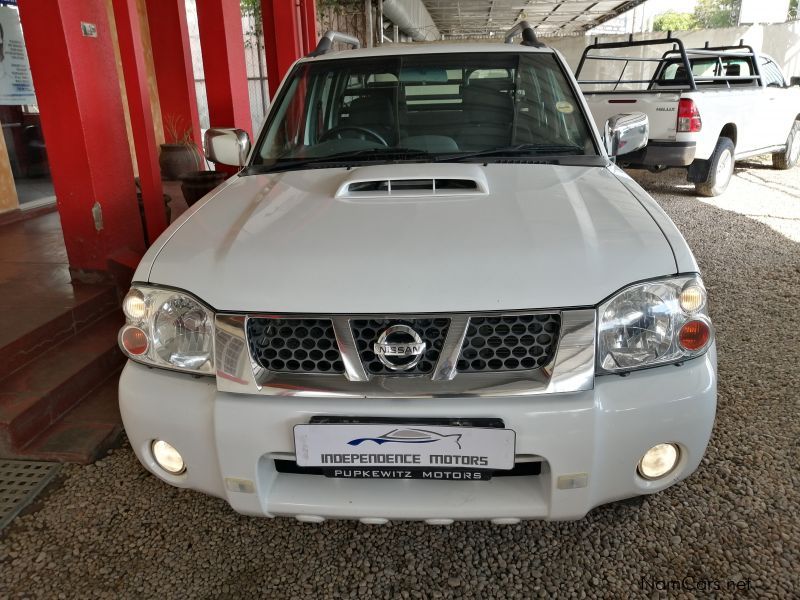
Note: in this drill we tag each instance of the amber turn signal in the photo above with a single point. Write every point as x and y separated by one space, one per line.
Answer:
694 335
134 340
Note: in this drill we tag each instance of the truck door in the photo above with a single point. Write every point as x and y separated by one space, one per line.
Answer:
777 121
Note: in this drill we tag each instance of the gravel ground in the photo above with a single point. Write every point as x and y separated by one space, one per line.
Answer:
113 531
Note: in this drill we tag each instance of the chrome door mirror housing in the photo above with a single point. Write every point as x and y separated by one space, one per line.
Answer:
626 133
227 146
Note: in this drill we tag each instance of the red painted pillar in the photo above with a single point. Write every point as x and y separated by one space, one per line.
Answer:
222 45
172 59
141 113
308 13
77 89
283 40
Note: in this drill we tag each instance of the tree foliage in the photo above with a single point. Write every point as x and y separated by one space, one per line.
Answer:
710 14
340 5
674 21
252 9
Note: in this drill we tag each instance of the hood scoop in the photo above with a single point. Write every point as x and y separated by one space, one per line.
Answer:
412 184
402 187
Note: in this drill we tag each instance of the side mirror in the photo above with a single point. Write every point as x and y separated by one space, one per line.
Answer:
227 146
626 133
794 81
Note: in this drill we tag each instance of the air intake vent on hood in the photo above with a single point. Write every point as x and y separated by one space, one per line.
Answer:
411 187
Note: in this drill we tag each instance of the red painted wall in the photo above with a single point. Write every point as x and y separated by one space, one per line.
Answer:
221 41
77 89
172 58
308 13
131 49
283 38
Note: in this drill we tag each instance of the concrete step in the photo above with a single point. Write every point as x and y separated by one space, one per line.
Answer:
32 331
85 433
36 396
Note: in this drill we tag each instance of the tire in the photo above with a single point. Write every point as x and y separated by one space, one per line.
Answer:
787 159
720 170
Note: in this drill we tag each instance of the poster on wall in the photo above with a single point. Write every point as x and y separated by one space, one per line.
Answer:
16 85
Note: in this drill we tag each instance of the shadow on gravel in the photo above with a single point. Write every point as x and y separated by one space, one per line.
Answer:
750 164
111 531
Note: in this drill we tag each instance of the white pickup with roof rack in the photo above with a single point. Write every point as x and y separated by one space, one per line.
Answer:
707 107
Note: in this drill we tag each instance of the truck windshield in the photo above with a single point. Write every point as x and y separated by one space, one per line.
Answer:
435 106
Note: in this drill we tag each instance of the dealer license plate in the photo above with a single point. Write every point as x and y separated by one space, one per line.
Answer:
386 451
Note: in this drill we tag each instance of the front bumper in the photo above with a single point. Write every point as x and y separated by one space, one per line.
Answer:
590 443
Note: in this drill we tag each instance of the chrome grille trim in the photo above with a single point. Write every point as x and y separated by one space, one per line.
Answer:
446 367
353 368
572 369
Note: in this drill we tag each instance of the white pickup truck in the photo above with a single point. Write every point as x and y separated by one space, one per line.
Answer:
707 107
428 294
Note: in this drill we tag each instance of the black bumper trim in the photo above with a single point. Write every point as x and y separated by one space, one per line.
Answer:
668 154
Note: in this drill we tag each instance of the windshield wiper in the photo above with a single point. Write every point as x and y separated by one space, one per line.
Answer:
338 158
519 149
388 152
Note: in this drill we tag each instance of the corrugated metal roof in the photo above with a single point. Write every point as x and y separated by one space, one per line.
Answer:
492 18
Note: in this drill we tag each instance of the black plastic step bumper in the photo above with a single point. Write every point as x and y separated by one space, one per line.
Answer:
656 153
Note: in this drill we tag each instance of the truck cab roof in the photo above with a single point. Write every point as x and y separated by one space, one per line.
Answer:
427 48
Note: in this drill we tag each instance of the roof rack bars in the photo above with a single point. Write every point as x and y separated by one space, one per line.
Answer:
678 53
528 35
326 42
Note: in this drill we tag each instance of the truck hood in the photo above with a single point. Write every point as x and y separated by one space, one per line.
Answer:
528 236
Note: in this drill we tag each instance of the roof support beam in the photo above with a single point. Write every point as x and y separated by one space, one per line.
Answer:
486 18
624 7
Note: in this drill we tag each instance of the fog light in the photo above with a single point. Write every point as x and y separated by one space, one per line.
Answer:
168 458
659 461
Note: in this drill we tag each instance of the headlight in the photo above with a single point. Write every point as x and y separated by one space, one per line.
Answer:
653 323
167 328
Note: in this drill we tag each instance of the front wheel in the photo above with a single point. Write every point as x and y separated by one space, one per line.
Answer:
720 170
788 158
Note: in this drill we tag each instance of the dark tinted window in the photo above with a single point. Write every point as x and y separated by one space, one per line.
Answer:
436 103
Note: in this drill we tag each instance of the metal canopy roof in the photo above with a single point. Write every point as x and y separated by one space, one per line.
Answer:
491 18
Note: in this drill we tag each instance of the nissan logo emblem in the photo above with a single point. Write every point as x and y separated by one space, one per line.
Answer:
399 347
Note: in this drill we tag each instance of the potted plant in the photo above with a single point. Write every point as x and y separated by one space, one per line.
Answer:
183 160
197 183
178 156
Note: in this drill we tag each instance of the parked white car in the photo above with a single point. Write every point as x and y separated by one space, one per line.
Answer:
707 107
428 270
